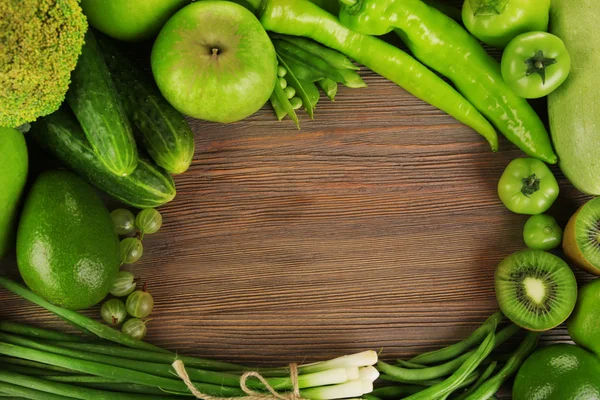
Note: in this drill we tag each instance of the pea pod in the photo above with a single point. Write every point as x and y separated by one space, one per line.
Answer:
333 58
445 46
330 87
303 18
301 56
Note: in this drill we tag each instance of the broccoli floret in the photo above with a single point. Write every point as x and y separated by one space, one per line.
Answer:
40 41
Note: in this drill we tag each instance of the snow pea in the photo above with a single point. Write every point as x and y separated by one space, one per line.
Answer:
534 64
441 43
542 232
497 22
527 186
303 18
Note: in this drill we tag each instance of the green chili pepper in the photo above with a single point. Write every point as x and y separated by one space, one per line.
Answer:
490 387
542 232
303 18
444 45
527 186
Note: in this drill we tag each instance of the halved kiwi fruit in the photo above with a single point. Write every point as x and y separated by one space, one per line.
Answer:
535 289
581 241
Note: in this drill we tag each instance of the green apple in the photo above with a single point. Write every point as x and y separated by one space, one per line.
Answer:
130 20
213 60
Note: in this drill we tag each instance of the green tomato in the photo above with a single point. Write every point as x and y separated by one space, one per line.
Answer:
534 64
130 20
497 22
527 186
541 232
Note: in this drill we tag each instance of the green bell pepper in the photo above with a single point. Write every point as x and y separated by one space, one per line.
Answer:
534 64
527 186
542 232
497 22
445 46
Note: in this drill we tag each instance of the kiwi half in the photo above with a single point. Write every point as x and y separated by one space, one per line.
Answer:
535 289
581 241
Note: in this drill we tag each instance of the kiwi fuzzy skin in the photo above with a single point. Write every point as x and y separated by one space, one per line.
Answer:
571 248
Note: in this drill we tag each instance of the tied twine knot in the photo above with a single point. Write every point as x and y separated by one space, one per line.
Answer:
250 394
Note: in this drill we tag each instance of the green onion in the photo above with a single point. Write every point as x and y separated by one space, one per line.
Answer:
82 321
21 392
40 333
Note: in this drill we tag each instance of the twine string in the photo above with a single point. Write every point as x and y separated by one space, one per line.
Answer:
251 394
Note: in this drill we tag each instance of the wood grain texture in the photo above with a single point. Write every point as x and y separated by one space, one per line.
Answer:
377 226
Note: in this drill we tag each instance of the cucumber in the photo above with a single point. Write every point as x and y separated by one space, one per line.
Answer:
161 129
93 98
147 186
574 108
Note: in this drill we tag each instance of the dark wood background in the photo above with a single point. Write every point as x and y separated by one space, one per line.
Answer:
377 226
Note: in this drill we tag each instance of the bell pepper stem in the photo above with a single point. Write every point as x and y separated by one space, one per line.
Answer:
531 184
348 3
488 7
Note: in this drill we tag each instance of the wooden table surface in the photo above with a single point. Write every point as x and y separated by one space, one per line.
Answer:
377 226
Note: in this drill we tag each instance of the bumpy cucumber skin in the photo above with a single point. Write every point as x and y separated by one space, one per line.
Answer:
146 187
574 107
94 99
161 129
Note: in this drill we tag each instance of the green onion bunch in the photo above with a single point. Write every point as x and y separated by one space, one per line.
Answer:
38 363
304 66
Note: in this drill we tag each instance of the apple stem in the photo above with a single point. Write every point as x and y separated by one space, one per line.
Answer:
215 52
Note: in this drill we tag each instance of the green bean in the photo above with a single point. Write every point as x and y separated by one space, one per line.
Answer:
33 364
329 86
352 79
491 386
80 320
408 364
369 397
280 112
395 392
332 57
457 349
124 374
40 333
428 382
285 104
70 391
27 393
290 92
300 92
458 378
281 71
409 374
303 57
486 374
141 355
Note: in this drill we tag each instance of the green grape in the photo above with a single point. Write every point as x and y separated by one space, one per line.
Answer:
113 311
135 328
148 221
124 221
123 285
281 71
131 250
140 303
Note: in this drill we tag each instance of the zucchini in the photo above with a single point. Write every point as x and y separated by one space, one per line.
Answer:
161 129
147 186
574 107
94 99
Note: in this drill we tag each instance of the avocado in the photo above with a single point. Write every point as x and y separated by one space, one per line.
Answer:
13 175
67 246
